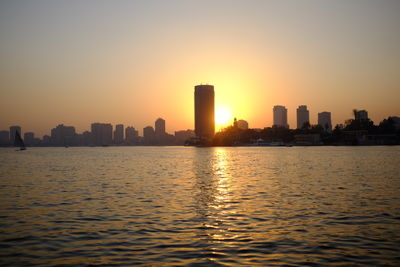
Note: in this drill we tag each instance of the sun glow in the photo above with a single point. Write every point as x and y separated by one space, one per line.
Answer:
223 117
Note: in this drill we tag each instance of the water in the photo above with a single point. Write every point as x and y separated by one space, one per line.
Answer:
200 206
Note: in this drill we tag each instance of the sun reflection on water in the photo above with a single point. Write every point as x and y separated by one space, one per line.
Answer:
213 200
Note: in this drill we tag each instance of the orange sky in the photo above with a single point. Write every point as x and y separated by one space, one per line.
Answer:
132 62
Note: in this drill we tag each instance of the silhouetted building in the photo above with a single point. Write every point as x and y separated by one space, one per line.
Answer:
162 137
119 134
160 127
62 135
242 124
182 136
46 140
324 120
87 138
303 116
360 115
148 134
204 111
13 130
131 135
4 138
102 134
280 116
396 121
29 138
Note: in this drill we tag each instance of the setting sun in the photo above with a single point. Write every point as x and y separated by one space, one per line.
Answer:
223 116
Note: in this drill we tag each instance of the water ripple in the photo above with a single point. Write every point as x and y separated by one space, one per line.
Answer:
144 206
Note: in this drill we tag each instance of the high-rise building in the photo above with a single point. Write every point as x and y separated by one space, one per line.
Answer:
4 138
324 120
280 116
13 130
46 140
87 138
119 134
360 115
29 138
204 111
102 134
148 134
160 127
182 136
62 135
303 116
131 135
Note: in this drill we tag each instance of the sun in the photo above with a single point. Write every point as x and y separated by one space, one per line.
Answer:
223 116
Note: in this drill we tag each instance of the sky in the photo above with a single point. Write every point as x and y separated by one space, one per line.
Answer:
130 62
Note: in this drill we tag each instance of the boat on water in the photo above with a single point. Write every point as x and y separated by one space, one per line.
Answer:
19 142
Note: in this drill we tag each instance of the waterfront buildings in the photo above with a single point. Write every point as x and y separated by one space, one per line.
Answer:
360 115
159 127
131 135
4 138
148 134
303 116
161 136
29 138
13 130
119 134
242 124
360 130
204 111
396 121
280 116
324 120
307 139
46 140
182 136
87 138
62 135
101 134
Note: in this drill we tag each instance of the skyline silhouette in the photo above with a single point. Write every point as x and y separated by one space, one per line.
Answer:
237 132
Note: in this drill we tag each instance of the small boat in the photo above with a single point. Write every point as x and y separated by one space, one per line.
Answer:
18 141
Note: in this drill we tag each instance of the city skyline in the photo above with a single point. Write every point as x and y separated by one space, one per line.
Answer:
76 63
127 134
206 120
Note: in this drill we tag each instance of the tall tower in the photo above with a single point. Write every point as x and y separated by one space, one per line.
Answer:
160 127
280 116
148 134
303 116
119 134
324 119
204 111
13 130
102 133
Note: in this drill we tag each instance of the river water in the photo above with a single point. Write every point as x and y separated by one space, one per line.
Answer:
200 206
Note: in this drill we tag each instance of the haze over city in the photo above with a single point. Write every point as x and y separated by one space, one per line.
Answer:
81 62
